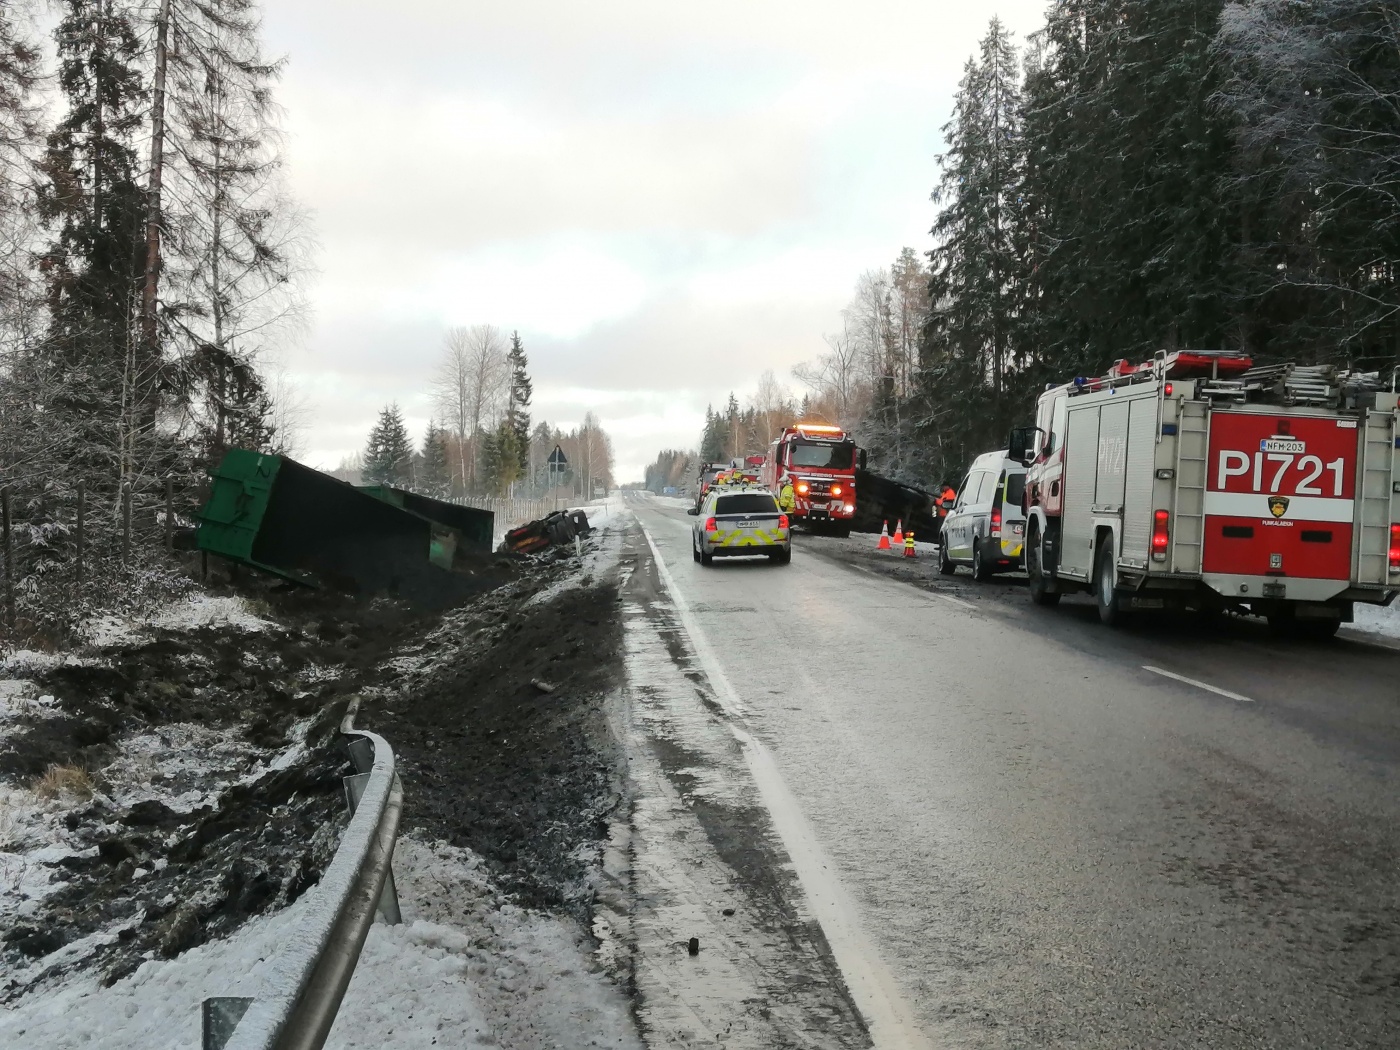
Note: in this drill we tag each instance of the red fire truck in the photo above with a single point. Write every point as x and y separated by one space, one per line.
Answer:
821 460
1199 481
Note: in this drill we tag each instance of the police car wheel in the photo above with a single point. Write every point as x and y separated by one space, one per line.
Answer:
980 572
706 559
945 563
694 552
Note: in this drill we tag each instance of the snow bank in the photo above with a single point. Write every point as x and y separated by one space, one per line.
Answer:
1377 620
466 970
200 610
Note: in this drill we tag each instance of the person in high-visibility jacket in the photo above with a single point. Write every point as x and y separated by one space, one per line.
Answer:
787 496
943 503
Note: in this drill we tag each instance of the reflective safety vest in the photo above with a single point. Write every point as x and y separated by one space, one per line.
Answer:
946 501
787 499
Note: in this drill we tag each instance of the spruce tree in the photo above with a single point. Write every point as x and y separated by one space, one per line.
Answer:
435 479
389 453
88 193
518 406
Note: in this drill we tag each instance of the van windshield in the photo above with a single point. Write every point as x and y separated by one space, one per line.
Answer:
747 503
831 457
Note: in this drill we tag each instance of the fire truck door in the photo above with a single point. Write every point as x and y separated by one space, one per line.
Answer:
1080 480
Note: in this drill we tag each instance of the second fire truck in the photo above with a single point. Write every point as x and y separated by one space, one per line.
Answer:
1199 481
821 461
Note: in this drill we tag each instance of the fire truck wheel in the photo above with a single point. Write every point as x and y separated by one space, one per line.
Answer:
945 564
980 571
1106 595
1040 593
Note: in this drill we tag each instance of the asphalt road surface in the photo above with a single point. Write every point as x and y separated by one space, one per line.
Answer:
1039 836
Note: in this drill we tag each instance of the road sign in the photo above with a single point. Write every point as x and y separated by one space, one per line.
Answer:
557 458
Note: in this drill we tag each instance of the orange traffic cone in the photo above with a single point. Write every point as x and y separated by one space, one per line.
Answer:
884 543
909 546
899 530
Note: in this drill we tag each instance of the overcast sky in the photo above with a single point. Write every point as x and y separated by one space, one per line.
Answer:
665 199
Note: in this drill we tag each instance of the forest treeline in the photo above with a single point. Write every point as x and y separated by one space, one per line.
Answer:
150 261
481 441
1137 175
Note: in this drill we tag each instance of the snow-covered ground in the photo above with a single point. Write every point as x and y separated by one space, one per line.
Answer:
465 970
1373 619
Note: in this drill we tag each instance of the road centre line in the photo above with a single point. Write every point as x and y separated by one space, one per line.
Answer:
1199 685
873 987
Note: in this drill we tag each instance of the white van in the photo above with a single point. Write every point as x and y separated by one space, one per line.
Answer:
986 529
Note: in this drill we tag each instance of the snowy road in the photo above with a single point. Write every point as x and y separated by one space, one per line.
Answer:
1018 829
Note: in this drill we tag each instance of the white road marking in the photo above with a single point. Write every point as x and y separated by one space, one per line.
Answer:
1199 685
958 601
872 985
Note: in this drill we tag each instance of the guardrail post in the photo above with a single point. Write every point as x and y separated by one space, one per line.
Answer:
221 1014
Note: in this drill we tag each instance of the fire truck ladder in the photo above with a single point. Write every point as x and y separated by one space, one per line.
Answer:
1189 519
1373 499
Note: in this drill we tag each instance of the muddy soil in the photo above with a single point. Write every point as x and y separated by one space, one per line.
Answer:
153 880
505 749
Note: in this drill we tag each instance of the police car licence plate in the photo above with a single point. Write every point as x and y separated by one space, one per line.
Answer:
748 524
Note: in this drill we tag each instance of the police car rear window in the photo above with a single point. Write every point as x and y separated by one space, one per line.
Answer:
747 503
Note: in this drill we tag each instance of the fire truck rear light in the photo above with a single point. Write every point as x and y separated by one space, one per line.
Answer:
1167 390
782 521
1395 547
711 525
1160 535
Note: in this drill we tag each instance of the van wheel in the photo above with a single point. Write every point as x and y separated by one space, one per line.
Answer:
980 572
1106 595
1041 593
945 563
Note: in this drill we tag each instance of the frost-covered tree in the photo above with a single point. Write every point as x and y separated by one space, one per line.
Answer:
1315 91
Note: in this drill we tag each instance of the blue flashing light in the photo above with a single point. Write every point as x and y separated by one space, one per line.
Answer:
1079 380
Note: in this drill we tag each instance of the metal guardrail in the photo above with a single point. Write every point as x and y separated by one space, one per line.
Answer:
293 1005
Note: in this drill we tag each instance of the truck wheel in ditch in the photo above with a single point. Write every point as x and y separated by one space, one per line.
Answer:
843 532
980 571
945 563
1041 593
1106 595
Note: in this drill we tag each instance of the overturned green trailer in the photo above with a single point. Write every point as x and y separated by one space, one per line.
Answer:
274 514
